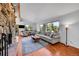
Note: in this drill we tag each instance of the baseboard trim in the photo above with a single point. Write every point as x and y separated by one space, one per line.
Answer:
69 45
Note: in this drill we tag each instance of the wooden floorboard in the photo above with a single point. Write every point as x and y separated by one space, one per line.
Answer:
58 49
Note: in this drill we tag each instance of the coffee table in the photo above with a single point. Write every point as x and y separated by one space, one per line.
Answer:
36 38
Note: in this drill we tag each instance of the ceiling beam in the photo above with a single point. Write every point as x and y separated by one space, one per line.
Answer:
19 10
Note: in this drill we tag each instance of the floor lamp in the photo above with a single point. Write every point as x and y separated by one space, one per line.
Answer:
66 28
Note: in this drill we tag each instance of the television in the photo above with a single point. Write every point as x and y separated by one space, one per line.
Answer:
21 26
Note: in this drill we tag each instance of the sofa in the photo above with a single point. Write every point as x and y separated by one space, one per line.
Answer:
52 38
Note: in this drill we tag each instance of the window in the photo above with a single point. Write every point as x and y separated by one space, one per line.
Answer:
28 28
52 27
49 27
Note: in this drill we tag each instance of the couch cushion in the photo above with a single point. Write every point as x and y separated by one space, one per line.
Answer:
56 35
51 35
47 33
49 39
45 37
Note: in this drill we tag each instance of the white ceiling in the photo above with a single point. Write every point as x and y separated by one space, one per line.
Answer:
38 12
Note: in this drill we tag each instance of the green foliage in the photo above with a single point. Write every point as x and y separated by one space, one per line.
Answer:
49 27
54 28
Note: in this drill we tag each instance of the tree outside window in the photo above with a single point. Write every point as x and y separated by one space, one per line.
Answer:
52 27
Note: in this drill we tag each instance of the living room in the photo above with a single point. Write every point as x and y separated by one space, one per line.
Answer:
40 29
54 23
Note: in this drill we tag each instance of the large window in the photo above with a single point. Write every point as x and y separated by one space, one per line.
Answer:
52 27
49 27
41 28
56 26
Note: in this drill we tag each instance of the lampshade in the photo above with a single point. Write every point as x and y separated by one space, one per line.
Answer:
66 26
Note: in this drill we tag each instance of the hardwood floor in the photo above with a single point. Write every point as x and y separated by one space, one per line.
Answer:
63 50
58 49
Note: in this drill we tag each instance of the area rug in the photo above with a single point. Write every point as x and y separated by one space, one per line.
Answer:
28 45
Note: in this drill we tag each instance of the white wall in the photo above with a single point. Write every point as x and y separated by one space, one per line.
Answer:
73 31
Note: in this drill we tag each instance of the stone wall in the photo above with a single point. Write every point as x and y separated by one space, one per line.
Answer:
7 19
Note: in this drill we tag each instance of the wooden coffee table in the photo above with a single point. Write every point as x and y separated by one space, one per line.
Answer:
36 38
